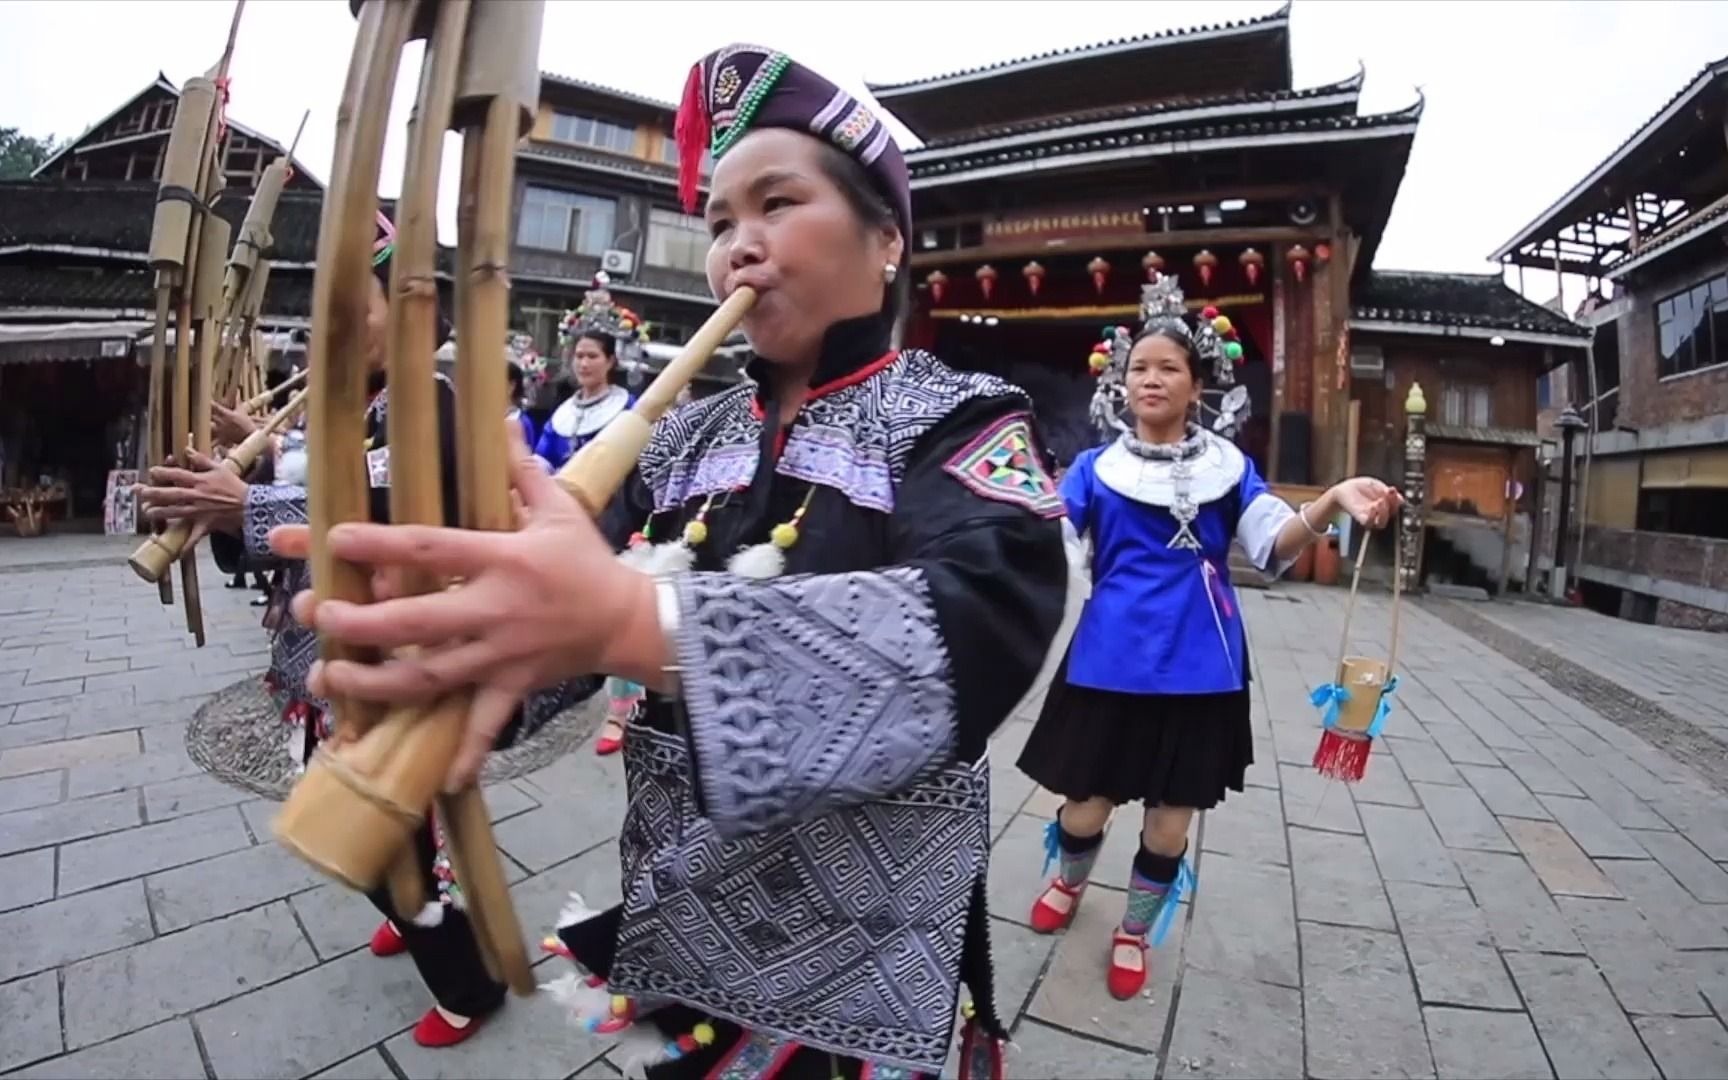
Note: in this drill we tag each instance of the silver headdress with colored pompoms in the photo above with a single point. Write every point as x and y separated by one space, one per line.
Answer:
1164 309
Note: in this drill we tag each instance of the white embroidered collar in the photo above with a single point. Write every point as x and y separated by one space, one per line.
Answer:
1213 472
581 417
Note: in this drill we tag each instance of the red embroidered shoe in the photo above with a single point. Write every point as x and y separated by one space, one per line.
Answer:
1050 914
608 743
387 940
435 1032
1125 981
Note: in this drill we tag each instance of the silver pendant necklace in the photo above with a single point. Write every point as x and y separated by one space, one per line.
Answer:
1179 458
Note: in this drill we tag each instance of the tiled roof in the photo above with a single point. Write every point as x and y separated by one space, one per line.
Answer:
648 170
289 293
1125 112
597 88
1077 52
117 215
1274 125
1465 300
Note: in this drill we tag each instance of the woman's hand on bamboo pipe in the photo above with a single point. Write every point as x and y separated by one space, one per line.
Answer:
229 427
207 495
534 607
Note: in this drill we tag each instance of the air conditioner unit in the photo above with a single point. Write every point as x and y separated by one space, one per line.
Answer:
1303 212
1367 362
618 262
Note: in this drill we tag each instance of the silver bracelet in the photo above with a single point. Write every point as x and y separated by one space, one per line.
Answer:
1302 513
666 606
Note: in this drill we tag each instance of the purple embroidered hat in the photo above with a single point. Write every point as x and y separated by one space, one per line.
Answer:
735 90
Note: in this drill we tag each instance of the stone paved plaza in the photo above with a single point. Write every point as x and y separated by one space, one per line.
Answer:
1519 888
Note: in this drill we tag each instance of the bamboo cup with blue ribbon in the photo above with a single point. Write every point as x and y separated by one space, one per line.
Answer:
1354 708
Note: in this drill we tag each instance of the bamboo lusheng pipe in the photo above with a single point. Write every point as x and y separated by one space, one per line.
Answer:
263 399
161 550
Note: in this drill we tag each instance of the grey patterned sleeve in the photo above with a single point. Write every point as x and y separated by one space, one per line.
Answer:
267 506
807 694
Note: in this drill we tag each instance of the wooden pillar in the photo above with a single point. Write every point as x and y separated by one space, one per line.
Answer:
1508 519
1412 523
1330 283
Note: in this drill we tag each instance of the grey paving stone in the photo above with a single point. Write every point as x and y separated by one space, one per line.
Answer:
600 1069
1686 1048
1422 761
1237 894
340 920
1518 909
1250 825
190 795
1211 1040
20 695
25 792
167 1050
121 991
30 1017
1473 1045
31 733
1694 870
1314 802
528 1040
58 823
1407 848
1582 1027
1383 783
1609 795
1461 746
1500 789
1019 956
1016 870
1538 774
136 852
1354 982
226 884
368 1066
506 800
1593 830
1461 818
1072 994
1293 743
350 1003
594 875
555 831
1701 820
1560 863
99 778
68 752
1451 948
1647 977
26 878
1042 1050
1336 880
1681 920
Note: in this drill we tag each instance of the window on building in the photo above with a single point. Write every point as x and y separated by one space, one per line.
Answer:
566 221
1467 405
676 240
669 154
1692 328
593 131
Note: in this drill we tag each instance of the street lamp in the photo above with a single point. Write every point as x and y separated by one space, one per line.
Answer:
1570 424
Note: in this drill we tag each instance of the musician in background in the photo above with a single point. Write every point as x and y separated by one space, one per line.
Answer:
594 330
240 514
806 844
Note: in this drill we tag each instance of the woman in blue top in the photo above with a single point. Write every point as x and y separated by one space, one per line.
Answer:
598 326
1152 702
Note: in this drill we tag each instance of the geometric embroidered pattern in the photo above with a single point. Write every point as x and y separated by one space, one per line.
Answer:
842 932
1002 464
294 647
809 693
857 440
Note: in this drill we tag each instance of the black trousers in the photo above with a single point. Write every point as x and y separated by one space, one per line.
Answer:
447 955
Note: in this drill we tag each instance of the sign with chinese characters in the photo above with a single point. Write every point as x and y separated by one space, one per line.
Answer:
1063 223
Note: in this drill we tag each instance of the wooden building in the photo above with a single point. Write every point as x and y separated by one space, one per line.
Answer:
1647 228
1046 187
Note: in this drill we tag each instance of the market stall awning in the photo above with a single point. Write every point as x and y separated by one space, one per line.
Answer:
44 342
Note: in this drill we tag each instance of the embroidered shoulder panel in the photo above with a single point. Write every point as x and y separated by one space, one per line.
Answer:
1002 465
710 445
1211 476
843 933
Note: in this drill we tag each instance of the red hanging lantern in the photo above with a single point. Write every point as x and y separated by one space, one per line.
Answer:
938 282
1100 271
1298 258
1322 254
1034 274
1205 262
1153 264
1252 263
986 276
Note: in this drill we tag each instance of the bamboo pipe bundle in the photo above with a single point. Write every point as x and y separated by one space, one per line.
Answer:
264 398
162 550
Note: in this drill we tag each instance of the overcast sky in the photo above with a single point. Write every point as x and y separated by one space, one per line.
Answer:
1523 98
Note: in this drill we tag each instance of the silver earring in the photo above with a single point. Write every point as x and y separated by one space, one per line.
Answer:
890 272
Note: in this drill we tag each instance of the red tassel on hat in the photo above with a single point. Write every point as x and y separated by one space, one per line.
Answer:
1342 756
691 132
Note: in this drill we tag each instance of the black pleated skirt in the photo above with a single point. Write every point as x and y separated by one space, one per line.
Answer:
1160 749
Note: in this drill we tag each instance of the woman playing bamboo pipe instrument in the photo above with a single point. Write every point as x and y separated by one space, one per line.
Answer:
833 718
1151 704
440 939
